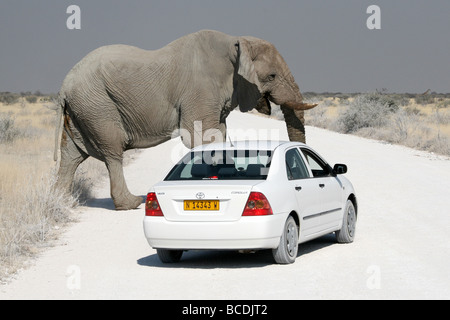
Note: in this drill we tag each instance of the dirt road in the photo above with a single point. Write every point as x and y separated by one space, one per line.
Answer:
401 250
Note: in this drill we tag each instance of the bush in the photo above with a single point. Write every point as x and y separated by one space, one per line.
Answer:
31 99
442 104
366 111
9 97
29 213
424 99
317 117
8 131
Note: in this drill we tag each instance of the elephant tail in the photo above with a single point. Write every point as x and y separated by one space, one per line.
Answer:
59 125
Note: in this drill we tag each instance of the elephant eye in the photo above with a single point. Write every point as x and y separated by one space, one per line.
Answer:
271 77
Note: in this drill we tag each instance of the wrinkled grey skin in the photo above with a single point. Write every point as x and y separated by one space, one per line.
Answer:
121 97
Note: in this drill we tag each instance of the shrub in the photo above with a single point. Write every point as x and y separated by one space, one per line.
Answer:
29 212
366 111
8 131
399 99
9 97
31 99
317 116
403 125
424 99
442 104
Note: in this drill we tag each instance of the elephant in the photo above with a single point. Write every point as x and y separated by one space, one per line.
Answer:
121 97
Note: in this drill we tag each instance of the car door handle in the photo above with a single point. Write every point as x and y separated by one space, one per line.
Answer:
322 185
298 188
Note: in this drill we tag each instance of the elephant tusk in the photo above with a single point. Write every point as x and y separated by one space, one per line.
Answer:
307 106
299 106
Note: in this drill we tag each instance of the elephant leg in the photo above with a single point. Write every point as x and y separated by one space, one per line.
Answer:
71 158
217 133
295 123
123 199
197 135
202 131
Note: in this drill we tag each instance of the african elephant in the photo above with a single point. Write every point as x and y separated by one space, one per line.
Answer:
121 97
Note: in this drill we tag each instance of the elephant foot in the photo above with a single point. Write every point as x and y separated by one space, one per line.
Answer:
128 203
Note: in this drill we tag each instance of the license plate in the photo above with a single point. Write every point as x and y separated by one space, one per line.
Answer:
206 205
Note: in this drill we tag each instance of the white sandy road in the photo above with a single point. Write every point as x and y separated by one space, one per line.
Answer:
401 250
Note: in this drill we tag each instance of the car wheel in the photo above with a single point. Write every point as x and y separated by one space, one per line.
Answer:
169 256
288 247
347 232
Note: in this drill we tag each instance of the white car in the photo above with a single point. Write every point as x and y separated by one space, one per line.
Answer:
249 195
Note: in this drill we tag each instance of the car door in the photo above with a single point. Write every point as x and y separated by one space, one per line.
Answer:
328 190
304 189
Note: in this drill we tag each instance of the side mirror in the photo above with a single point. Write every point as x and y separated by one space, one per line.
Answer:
339 168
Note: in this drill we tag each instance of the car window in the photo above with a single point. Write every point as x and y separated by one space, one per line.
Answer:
223 165
295 167
318 168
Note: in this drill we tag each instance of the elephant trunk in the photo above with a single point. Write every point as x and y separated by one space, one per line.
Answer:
293 111
294 123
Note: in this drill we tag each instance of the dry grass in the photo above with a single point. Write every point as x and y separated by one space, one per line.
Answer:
30 207
420 126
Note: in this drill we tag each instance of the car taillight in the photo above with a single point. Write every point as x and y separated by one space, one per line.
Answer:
152 208
257 205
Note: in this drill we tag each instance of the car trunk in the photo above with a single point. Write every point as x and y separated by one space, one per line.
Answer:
208 201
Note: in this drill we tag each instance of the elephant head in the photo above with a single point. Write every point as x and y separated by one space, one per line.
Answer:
263 77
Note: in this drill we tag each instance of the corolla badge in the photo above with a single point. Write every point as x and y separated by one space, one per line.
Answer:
200 195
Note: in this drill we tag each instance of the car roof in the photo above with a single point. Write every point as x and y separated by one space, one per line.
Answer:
246 145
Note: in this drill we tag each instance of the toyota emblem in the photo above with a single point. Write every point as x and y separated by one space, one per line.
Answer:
200 195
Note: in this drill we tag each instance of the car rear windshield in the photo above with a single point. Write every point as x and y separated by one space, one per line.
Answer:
222 165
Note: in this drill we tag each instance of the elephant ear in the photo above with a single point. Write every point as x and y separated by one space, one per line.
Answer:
248 88
246 65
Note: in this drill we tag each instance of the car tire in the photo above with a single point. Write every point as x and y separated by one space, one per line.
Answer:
286 252
169 256
347 232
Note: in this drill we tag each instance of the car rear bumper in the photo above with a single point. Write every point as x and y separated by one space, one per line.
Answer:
261 232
